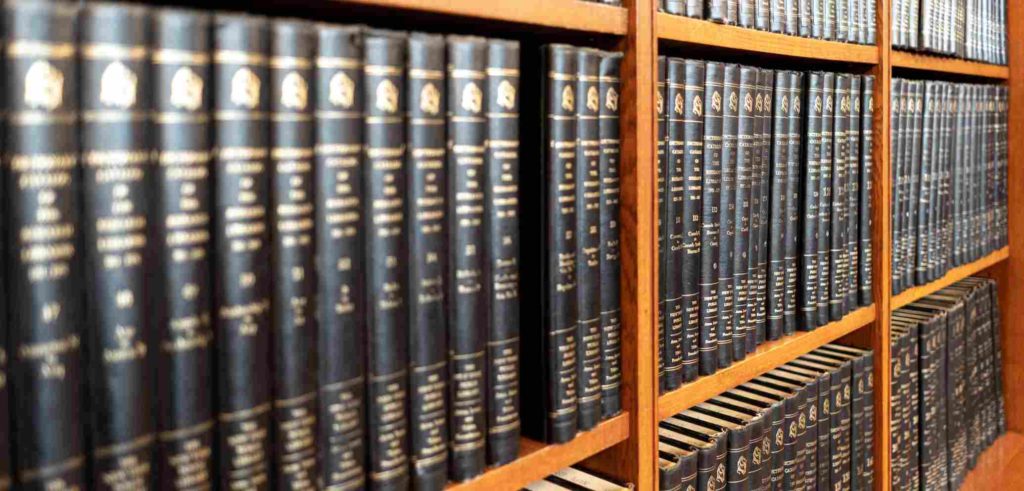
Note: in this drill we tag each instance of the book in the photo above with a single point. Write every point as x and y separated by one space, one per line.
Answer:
792 208
853 165
779 197
837 250
749 145
710 215
825 191
674 225
866 204
663 221
757 331
712 466
694 106
731 154
807 301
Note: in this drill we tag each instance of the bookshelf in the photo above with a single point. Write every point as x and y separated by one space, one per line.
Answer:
936 64
954 275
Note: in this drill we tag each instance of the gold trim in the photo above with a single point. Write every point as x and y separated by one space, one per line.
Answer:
466 74
66 465
337 62
103 116
382 70
295 400
41 117
569 77
425 368
238 115
245 413
170 117
502 72
111 51
179 56
343 384
290 62
186 432
421 74
41 49
119 448
390 376
338 114
239 57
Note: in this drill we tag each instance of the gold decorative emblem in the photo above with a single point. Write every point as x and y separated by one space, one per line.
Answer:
803 421
844 104
245 88
856 105
698 106
766 447
44 86
767 103
828 103
741 465
186 89
796 105
711 485
677 105
785 103
506 95
118 86
839 399
430 99
825 407
660 103
733 101
472 98
716 102
387 96
720 473
569 100
817 104
593 99
611 99
690 488
778 438
758 102
341 90
757 456
294 91
748 102
792 429
846 392
814 414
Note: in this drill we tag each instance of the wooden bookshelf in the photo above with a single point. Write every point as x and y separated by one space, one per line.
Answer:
1001 466
938 64
768 356
954 275
678 29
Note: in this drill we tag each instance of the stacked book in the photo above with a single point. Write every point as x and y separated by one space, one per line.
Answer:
244 252
849 21
971 29
808 424
947 385
949 159
577 478
764 197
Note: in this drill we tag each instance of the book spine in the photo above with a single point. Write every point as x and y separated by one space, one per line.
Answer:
673 223
825 171
817 19
710 217
45 303
502 211
853 163
894 178
837 278
748 327
242 257
747 16
688 471
340 214
662 173
842 10
779 197
792 211
695 9
872 22
804 17
807 318
762 14
866 205
792 13
748 95
560 266
868 475
727 208
923 203
693 167
426 185
824 452
292 52
777 18
757 332
717 11
467 269
731 12
829 19
916 179
738 460
384 188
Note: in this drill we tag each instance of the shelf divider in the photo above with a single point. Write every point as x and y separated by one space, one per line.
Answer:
931 63
954 275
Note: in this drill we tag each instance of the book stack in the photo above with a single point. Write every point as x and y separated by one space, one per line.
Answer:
849 21
764 208
577 479
244 252
947 385
949 160
971 29
808 424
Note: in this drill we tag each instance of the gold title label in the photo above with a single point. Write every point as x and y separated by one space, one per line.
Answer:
659 103
186 89
44 86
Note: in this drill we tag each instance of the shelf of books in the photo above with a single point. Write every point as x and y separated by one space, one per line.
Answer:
954 275
931 63
999 467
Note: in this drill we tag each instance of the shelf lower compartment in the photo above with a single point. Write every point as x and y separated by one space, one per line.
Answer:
768 356
933 63
1001 466
954 275
538 459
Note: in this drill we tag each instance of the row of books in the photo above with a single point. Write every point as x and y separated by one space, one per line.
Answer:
243 252
764 211
949 180
806 425
947 403
617 3
851 21
972 29
577 478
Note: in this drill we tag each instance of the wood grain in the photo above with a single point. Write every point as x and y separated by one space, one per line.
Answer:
1000 467
954 275
938 64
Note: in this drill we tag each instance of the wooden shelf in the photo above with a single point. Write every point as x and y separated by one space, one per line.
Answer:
573 15
768 356
701 32
930 63
1001 466
954 275
537 459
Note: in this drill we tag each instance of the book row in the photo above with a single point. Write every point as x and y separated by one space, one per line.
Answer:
806 425
577 479
947 403
949 160
764 209
851 21
617 3
244 252
972 29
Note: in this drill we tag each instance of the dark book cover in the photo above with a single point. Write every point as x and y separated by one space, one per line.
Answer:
703 470
611 309
825 213
662 175
426 229
712 464
674 223
853 162
837 249
788 441
924 203
895 179
802 472
748 327
840 414
807 293
731 11
792 209
181 214
779 197
740 430
818 415
711 187
731 153
717 11
757 332
762 14
694 106
772 445
865 205
749 99
757 419
916 113
804 17
829 19
46 306
747 16
791 11
842 20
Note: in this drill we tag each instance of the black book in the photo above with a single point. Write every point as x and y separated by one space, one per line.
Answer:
748 145
806 386
826 165
853 162
710 216
340 210
674 223
859 374
757 332
731 11
792 16
501 207
242 276
611 309
924 203
773 444
829 18
807 293
747 326
731 153
958 174
681 470
181 211
864 418
914 182
711 471
865 206
842 16
777 17
910 397
792 209
779 197
757 419
384 191
426 182
551 415
818 19
790 444
819 425
45 304
115 99
467 269
663 221
740 432
840 413
717 11
762 14
292 52
693 167
897 141
837 249
804 17
704 472
747 16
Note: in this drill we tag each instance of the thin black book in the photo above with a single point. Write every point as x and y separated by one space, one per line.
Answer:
779 196
749 98
825 212
710 215
674 223
807 318
611 307
731 153
693 168
792 208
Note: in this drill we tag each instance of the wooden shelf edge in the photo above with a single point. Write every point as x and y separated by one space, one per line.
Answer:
1000 466
931 63
768 356
954 275
705 33
574 15
537 459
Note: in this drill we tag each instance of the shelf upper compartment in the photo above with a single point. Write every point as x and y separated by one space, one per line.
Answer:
952 276
740 39
537 459
768 356
574 15
930 63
